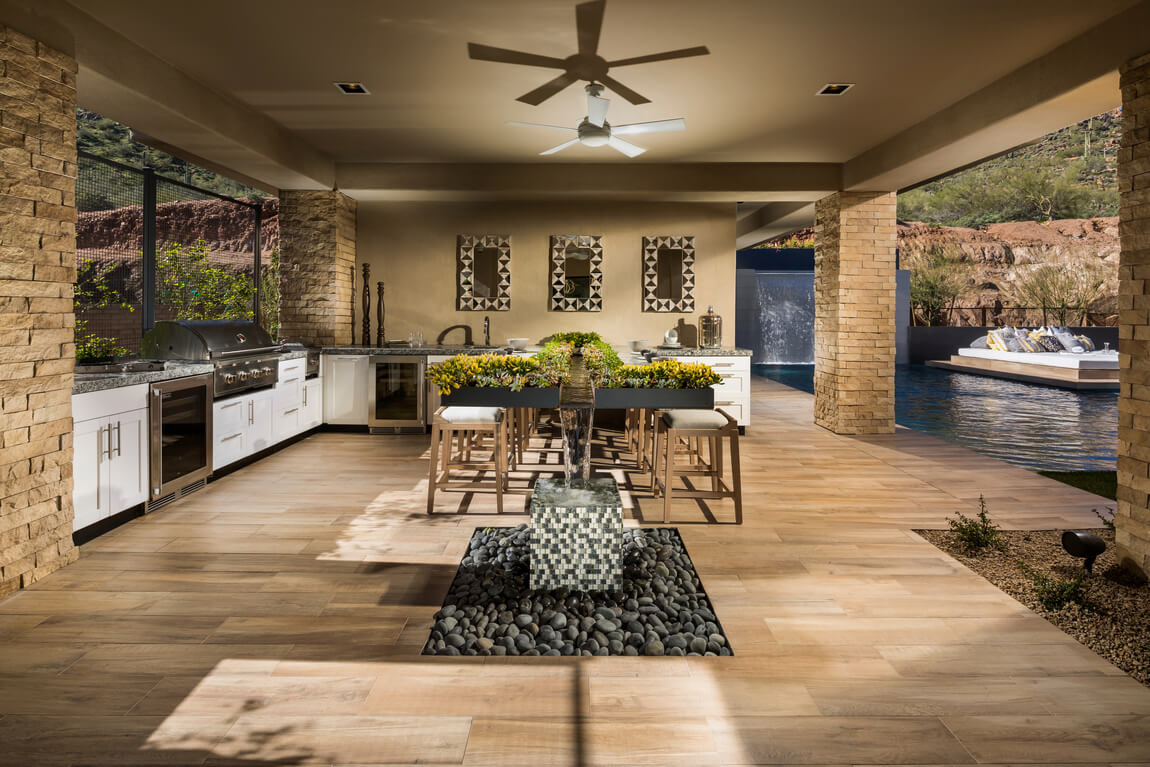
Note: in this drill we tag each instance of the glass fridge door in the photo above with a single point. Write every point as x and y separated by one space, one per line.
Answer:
183 432
396 391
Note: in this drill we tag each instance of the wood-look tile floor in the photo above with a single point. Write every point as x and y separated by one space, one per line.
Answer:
276 617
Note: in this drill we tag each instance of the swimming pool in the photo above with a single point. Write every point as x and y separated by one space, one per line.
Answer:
1036 427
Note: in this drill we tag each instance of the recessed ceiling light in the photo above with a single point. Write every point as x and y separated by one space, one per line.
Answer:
352 89
834 89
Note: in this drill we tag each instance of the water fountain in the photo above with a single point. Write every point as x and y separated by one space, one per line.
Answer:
785 318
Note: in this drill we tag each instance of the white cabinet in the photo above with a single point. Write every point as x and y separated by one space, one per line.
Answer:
311 408
288 399
110 453
734 393
345 389
241 425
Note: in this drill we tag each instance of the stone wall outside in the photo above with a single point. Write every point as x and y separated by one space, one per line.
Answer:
855 240
1132 521
37 270
317 256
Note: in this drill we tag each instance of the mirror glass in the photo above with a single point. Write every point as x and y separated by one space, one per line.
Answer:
485 274
669 274
577 273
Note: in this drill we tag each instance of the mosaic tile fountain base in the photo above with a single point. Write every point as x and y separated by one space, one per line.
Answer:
577 535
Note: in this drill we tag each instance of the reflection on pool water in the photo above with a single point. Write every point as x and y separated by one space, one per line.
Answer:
1036 427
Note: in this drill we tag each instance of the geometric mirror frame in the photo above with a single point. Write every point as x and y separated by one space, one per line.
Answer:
664 291
576 273
483 269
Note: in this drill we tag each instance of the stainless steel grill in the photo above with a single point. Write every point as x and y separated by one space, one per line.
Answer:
244 355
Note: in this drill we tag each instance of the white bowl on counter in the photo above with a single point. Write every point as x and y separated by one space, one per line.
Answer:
639 345
518 344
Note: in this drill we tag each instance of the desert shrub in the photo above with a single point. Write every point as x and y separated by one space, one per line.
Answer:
937 278
977 533
1053 592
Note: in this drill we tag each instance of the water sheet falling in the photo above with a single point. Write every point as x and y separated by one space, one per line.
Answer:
785 317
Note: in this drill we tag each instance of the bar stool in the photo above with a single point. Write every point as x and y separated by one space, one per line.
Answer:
695 427
465 424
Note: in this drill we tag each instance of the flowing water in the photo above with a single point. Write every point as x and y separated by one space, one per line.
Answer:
786 318
1036 427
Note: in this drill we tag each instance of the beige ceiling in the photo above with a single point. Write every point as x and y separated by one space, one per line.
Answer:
751 100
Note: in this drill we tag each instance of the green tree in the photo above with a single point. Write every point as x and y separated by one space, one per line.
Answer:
937 277
1063 292
92 290
196 288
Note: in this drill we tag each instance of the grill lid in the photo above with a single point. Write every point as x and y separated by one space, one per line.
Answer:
206 340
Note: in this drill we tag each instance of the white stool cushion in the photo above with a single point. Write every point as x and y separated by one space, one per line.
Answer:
694 419
472 414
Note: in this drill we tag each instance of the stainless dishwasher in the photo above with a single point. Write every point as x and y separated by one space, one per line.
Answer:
396 394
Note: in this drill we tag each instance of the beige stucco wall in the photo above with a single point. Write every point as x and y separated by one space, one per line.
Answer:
411 247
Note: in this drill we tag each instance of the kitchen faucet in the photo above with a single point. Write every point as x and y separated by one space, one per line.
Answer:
487 330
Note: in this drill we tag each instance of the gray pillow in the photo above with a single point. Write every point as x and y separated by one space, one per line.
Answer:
979 343
1069 342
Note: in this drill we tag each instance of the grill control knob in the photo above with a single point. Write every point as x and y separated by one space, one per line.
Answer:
254 374
267 371
242 375
229 378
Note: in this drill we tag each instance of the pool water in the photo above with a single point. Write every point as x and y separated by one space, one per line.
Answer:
1036 427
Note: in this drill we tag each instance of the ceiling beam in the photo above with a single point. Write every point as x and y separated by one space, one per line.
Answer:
126 83
772 220
703 182
1074 81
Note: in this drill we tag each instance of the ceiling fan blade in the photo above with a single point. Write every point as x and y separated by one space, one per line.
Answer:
656 126
540 125
624 91
597 109
682 53
547 90
625 147
588 21
505 56
561 147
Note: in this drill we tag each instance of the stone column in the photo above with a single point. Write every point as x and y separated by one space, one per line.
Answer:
317 256
37 270
854 312
1133 518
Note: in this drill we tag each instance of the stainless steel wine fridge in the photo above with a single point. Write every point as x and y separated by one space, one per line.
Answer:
396 394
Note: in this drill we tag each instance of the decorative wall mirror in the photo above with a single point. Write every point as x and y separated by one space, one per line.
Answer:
483 266
576 273
669 274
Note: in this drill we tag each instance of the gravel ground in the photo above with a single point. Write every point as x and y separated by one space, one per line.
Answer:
1114 617
662 609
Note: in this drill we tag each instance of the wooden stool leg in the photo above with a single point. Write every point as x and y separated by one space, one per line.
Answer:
716 462
433 459
500 463
668 473
736 478
655 459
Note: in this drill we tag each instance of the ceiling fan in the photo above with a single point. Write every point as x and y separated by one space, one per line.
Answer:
594 130
587 64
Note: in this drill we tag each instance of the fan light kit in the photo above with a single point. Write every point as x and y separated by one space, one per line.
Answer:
595 131
586 64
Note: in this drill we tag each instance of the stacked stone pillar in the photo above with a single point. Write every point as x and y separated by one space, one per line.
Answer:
37 270
855 242
1133 518
317 259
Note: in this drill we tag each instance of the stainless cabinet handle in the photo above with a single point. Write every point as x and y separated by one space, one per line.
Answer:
108 431
225 439
293 410
251 412
231 404
305 396
99 460
119 441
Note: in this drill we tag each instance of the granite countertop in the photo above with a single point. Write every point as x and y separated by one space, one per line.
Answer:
90 382
724 351
293 354
413 350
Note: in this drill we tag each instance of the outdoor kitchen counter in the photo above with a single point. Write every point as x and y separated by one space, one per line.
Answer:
693 352
419 351
90 382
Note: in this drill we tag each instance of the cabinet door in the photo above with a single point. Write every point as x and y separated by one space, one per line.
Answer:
128 467
311 410
229 424
345 389
288 398
259 431
90 492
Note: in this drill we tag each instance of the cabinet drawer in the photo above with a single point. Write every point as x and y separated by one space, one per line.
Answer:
100 404
733 383
229 417
733 409
291 368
